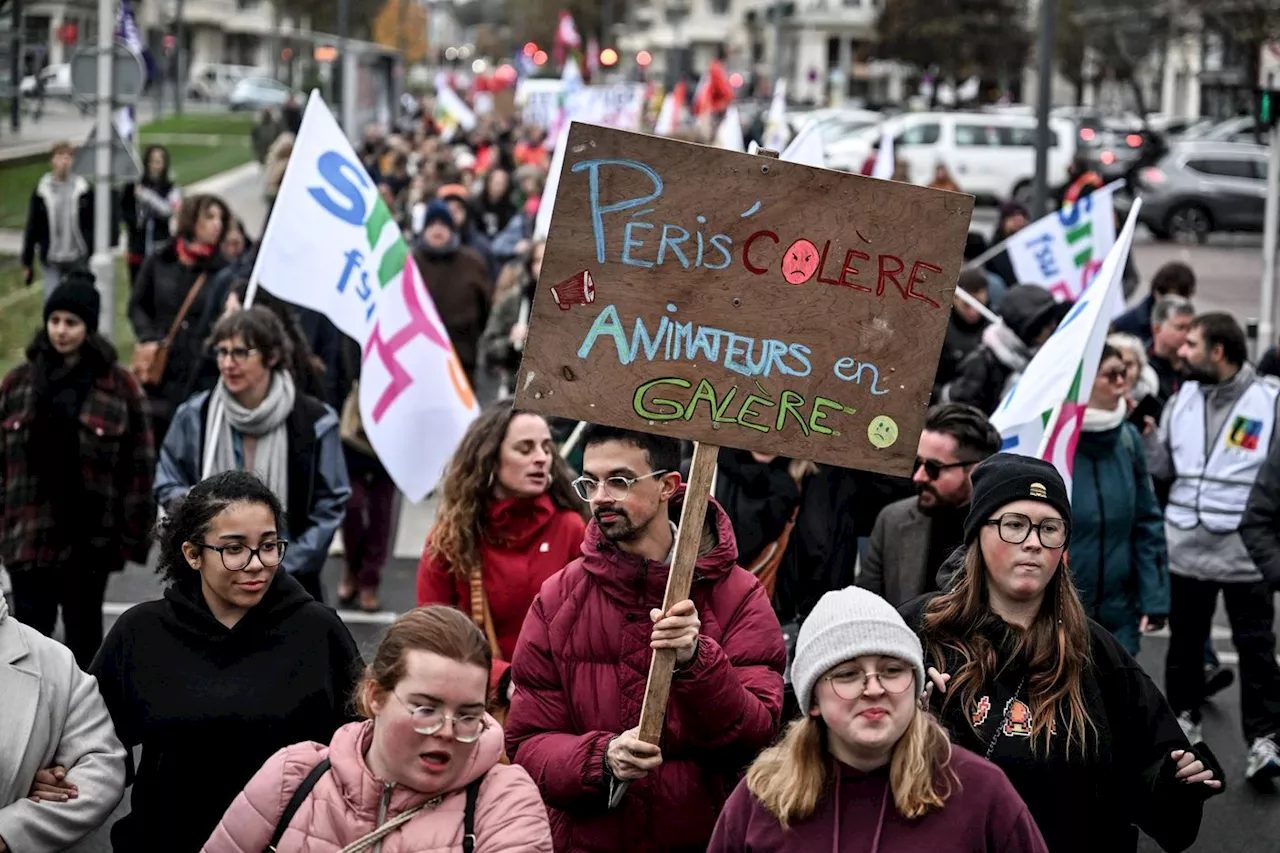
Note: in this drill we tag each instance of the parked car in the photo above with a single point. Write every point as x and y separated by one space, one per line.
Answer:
990 156
1201 187
256 93
56 79
834 124
1238 129
211 81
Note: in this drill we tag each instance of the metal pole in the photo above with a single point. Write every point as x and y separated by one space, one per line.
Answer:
1271 224
340 64
15 66
179 57
101 263
777 46
1048 21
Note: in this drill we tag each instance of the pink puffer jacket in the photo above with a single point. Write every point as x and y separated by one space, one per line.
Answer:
345 802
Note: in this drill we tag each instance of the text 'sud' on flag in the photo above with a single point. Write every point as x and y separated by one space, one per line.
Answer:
333 246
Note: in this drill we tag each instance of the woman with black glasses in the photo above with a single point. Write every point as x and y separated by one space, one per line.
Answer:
235 662
1023 677
257 420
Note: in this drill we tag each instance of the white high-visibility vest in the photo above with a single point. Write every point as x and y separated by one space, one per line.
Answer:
1214 479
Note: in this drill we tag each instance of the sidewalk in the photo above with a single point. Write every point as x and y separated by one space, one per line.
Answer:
227 182
60 121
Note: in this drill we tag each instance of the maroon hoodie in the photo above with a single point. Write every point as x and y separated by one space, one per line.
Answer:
983 814
580 669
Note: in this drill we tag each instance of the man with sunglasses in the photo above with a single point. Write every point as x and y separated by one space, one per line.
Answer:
914 536
582 663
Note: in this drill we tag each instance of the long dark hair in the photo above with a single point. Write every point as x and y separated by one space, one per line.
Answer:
163 181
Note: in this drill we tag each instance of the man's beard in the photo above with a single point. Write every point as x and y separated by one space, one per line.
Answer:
618 530
938 505
1203 375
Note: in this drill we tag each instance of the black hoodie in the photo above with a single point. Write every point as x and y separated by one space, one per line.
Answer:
210 704
1096 801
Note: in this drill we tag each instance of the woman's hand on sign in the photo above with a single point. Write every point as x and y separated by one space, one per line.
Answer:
676 629
1191 770
631 758
936 679
52 786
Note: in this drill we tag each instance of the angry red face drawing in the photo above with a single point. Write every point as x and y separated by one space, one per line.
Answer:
800 262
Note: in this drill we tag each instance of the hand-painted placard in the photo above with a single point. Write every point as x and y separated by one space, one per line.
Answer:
742 301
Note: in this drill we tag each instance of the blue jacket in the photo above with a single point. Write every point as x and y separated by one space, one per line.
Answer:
1117 534
318 483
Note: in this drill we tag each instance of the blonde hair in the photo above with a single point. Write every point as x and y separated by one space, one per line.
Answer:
789 777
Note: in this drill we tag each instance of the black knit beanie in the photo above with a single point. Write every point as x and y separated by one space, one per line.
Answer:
76 295
1005 478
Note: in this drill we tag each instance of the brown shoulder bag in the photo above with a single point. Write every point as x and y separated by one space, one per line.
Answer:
150 359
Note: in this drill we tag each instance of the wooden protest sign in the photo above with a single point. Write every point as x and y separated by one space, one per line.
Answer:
742 301
710 313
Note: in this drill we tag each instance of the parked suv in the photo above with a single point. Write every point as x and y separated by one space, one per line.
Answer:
990 156
1203 187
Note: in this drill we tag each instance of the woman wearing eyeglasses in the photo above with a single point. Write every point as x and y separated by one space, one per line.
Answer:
420 773
508 520
1119 561
235 662
255 419
1026 679
866 768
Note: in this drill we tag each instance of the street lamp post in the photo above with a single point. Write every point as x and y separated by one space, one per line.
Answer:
1048 20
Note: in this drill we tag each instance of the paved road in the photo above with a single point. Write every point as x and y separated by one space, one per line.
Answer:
1243 819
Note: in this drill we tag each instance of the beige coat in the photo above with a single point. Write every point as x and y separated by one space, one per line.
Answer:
52 714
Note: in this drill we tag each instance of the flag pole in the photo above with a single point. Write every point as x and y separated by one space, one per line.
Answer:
250 294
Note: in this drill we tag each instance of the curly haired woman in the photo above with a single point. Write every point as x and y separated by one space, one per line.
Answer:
508 520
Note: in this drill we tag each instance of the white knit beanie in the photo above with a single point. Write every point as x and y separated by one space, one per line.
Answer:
846 624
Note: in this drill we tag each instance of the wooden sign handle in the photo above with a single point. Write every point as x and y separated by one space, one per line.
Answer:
702 472
688 538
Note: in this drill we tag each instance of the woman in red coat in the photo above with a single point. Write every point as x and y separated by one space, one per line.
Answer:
508 520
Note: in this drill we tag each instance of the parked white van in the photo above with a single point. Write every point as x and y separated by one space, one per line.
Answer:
989 155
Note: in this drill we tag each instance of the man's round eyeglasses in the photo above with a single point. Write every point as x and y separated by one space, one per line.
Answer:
236 557
894 678
1015 527
615 488
426 720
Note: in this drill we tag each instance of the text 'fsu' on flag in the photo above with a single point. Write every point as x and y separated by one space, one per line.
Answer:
332 245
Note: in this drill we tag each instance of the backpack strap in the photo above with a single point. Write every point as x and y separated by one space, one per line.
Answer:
469 817
295 802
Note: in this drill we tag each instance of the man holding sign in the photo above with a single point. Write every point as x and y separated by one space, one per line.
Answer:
584 653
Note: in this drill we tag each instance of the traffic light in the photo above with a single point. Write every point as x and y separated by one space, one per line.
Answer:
1268 106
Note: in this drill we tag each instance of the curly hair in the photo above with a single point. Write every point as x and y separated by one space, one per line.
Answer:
467 491
189 517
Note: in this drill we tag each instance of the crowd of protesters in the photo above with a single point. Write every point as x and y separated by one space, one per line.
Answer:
863 662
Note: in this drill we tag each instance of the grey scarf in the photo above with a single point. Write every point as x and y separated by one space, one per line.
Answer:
271 456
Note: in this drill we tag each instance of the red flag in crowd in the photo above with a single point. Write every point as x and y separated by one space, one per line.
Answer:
714 93
566 36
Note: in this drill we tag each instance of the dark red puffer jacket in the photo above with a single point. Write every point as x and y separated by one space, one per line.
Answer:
580 670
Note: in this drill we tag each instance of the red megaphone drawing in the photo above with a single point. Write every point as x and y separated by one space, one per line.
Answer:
578 290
